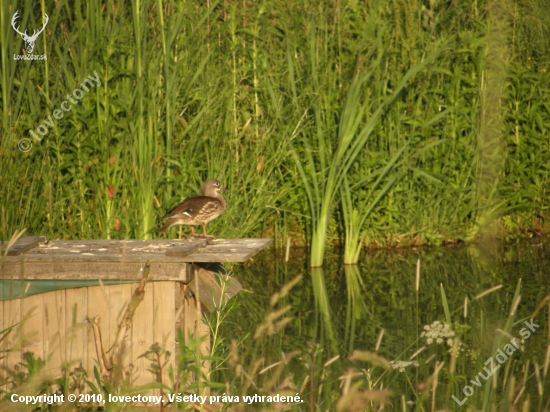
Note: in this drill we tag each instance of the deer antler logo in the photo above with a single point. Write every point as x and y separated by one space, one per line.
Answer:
29 40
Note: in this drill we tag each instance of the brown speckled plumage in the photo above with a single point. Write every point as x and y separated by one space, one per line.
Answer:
198 210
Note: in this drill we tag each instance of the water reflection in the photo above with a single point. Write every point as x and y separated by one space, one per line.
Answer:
323 309
356 308
342 308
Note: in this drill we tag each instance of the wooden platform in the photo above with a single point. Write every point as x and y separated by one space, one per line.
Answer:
186 278
53 327
38 258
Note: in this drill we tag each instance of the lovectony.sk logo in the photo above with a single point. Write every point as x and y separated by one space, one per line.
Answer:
25 144
29 40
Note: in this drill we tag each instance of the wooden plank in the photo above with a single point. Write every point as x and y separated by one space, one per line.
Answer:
12 316
111 258
193 327
214 289
109 303
3 348
88 249
24 244
54 331
229 250
76 310
180 251
98 305
118 297
189 323
57 326
142 337
32 309
141 253
200 330
165 265
164 319
179 291
50 270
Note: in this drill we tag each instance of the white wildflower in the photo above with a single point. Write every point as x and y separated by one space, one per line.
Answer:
401 365
438 332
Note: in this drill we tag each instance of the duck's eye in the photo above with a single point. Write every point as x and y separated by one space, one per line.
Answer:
217 183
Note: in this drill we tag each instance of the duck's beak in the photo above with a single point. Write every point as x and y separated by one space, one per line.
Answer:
223 189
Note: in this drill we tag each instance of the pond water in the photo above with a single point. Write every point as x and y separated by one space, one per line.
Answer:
338 309
295 329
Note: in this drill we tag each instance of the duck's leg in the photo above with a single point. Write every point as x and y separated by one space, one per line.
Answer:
206 236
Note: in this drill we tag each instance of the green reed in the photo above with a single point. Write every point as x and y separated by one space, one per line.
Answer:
290 109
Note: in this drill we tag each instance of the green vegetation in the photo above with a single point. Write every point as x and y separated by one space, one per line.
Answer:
353 123
386 352
333 123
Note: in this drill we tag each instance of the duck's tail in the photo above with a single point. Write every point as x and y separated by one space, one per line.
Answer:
166 226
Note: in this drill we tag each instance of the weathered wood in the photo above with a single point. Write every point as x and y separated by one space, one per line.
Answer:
142 338
76 309
31 257
137 296
104 366
122 260
214 288
57 329
24 244
98 305
60 315
13 343
179 251
54 330
195 328
125 251
32 309
91 250
91 270
163 322
2 346
228 250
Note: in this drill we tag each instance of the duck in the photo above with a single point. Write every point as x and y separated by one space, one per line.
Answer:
198 210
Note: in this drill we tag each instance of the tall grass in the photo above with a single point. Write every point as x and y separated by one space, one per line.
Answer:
353 135
293 106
